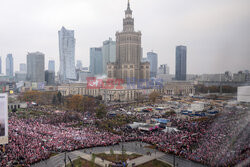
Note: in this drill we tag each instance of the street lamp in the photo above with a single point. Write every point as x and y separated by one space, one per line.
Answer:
174 160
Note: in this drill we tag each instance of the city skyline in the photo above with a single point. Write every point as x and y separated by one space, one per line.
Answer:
197 26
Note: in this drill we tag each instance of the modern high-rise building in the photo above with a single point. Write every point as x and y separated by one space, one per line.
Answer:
49 77
79 64
0 65
181 63
108 53
35 67
21 75
96 61
83 75
153 60
51 66
23 67
128 65
163 69
9 65
67 55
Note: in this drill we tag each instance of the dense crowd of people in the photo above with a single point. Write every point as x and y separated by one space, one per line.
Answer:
31 141
225 141
221 141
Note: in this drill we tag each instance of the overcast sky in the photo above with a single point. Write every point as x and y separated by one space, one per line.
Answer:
216 32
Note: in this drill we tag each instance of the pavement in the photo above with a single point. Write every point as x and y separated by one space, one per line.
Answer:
130 147
145 158
88 157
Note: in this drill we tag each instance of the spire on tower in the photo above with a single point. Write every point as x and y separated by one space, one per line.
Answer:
128 5
128 11
128 21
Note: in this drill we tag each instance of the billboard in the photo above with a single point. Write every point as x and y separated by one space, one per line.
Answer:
3 118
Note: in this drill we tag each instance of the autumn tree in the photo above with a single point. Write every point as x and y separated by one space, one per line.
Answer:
30 96
89 104
153 96
101 111
45 97
75 103
37 96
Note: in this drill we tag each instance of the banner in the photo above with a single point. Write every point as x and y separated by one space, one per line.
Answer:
3 118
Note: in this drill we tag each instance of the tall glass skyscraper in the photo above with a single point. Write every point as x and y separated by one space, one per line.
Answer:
153 60
96 61
9 65
67 54
51 65
108 53
181 63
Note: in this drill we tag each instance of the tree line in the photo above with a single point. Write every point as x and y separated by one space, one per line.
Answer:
78 103
215 89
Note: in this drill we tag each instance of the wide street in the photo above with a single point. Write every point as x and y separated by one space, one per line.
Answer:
132 147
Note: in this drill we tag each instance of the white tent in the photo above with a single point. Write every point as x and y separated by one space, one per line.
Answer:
135 125
170 129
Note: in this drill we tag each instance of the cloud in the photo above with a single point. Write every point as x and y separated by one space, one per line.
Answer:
214 31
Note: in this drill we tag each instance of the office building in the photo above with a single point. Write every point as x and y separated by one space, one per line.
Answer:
153 60
9 65
108 53
164 74
49 77
67 55
23 67
96 61
51 66
79 64
163 69
83 75
212 77
128 65
35 67
20 76
240 76
181 63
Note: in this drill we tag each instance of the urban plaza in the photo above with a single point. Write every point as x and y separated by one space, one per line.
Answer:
176 94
